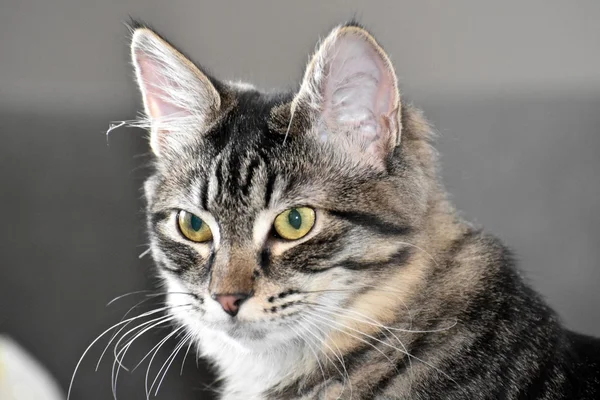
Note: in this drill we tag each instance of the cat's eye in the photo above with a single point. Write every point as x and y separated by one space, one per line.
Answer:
193 227
294 223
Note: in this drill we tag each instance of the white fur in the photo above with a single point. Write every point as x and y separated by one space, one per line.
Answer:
248 367
241 85
248 373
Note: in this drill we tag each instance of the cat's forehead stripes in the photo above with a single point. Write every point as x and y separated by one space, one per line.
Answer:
235 181
238 174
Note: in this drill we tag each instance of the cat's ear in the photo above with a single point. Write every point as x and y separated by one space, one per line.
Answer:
350 88
179 100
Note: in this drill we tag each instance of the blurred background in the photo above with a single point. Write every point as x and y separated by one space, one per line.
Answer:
512 87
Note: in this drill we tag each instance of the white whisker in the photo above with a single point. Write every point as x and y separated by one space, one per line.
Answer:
379 324
98 338
299 333
345 375
185 356
118 363
146 252
387 345
160 344
326 322
127 294
172 358
418 248
114 335
373 323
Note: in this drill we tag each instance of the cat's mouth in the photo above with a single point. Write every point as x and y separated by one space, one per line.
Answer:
253 330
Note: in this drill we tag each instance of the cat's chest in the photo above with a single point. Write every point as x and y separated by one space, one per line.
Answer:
250 374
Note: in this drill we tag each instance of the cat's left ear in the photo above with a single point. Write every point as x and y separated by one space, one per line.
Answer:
351 91
180 101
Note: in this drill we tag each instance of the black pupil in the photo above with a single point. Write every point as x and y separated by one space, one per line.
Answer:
196 223
295 219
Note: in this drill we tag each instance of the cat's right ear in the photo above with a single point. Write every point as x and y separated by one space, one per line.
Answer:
179 100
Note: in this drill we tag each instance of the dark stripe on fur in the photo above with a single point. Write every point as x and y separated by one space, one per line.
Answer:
396 259
220 178
265 260
210 261
158 217
315 255
269 189
250 171
180 255
372 222
204 194
418 347
233 170
399 258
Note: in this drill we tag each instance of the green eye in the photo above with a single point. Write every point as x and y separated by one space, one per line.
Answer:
192 227
295 223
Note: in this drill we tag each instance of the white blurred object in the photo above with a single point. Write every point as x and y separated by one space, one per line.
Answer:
22 377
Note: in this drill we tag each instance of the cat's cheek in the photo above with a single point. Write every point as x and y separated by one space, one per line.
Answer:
184 308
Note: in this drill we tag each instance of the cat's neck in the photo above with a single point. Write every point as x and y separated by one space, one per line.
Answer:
251 373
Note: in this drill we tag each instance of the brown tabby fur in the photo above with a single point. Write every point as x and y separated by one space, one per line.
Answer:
390 296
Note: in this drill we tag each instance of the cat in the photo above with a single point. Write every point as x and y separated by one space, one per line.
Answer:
309 250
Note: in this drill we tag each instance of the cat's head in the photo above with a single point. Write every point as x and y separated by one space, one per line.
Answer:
268 212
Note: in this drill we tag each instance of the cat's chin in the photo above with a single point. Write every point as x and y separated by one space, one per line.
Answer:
254 336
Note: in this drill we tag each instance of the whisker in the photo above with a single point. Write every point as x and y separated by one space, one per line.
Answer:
320 340
114 335
127 294
161 343
116 348
185 356
378 288
325 321
304 339
387 345
374 322
146 356
172 357
387 289
147 295
119 354
118 363
98 338
345 375
144 253
112 338
423 250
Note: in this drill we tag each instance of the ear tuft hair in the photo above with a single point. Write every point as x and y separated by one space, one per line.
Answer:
133 24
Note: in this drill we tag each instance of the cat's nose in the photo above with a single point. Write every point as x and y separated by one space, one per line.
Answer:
231 302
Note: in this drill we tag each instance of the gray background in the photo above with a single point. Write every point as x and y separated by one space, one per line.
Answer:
512 87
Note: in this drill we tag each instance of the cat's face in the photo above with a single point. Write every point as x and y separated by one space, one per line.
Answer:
270 214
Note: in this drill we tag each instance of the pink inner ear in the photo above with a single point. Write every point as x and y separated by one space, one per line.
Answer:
359 87
155 85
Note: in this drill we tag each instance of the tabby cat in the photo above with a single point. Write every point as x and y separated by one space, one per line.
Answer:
309 250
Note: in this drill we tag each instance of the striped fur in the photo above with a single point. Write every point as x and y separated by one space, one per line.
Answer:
390 296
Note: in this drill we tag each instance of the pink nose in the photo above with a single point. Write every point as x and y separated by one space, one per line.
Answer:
231 302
